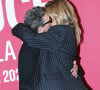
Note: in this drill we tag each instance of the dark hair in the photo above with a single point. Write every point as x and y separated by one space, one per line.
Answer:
34 17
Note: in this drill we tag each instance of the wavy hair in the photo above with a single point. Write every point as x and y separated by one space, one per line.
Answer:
63 12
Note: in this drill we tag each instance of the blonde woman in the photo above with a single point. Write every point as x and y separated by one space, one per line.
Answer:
57 43
63 13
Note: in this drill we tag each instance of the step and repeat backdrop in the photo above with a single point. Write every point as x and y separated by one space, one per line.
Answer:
12 12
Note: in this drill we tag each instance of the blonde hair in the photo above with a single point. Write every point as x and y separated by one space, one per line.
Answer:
63 12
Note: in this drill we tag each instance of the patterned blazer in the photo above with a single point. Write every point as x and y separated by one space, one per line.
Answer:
57 52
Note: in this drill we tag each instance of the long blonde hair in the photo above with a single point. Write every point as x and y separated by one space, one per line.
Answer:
64 13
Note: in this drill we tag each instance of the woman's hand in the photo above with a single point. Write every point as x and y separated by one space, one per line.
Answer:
74 70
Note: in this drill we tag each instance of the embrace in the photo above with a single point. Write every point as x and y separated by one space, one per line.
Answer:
47 59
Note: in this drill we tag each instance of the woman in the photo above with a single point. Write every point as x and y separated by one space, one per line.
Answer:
58 49
63 12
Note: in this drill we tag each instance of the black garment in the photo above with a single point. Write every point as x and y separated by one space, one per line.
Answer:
58 49
27 61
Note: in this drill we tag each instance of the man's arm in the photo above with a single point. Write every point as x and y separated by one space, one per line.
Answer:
48 40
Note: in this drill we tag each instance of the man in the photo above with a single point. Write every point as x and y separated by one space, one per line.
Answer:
29 56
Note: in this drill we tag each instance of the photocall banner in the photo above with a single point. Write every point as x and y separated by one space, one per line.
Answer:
13 11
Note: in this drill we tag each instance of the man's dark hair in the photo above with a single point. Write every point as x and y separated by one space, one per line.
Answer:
34 17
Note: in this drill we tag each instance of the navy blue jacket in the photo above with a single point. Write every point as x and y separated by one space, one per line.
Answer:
27 62
57 52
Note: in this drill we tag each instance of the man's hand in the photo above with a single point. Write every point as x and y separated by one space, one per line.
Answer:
74 70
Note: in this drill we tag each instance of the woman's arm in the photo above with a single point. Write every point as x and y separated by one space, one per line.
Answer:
48 40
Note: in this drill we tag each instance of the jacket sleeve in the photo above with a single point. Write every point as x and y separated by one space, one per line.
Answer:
48 40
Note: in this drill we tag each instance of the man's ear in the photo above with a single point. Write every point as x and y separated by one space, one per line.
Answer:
54 22
40 29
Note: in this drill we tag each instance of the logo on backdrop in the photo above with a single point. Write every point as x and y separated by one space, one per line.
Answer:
10 11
